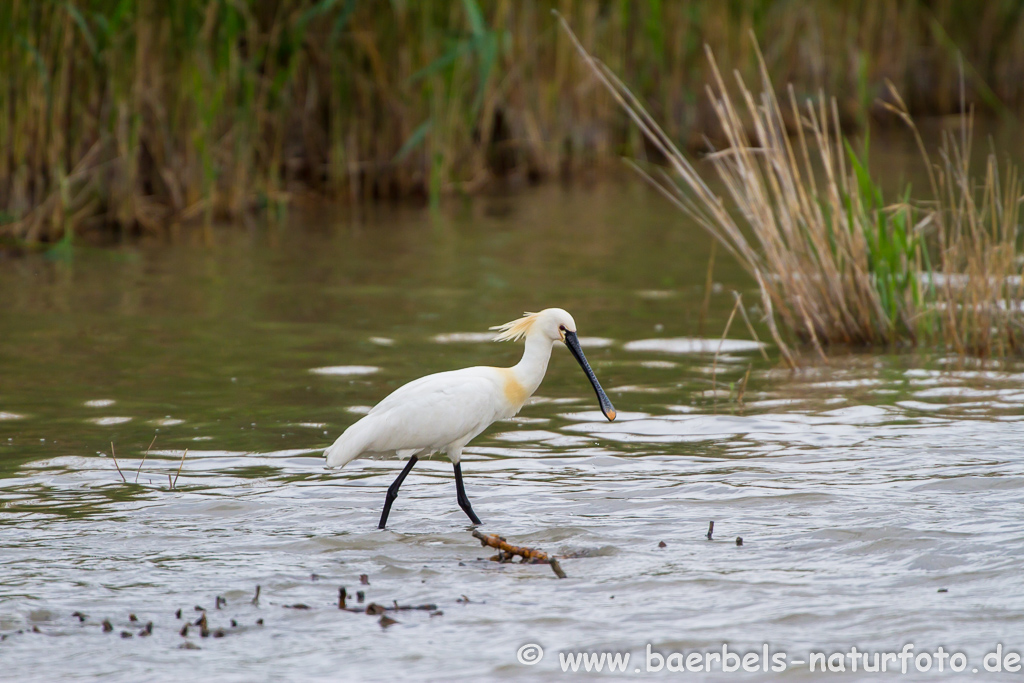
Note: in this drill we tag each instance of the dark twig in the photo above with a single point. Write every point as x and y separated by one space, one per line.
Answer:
373 608
114 456
711 530
714 365
741 389
144 456
204 630
175 484
557 568
708 286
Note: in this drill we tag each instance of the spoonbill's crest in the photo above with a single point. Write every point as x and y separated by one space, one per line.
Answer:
551 322
445 411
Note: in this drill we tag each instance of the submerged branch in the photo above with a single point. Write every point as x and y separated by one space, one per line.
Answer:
499 543
506 551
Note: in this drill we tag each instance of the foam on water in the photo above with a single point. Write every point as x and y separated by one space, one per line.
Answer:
464 337
345 370
690 345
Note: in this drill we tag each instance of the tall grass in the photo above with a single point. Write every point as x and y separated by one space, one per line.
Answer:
137 115
836 263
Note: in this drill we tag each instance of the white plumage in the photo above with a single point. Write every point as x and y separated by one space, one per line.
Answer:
440 412
445 411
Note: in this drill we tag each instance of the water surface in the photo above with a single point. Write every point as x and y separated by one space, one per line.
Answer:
861 488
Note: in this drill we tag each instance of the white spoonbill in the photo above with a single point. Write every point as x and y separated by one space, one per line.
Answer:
445 411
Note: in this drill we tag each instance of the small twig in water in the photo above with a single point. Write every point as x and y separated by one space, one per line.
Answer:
401 608
711 530
342 594
506 551
557 568
374 608
742 389
144 455
114 456
256 598
708 286
714 365
504 546
750 328
175 484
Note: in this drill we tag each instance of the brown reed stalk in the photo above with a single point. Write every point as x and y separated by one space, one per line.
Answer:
114 456
833 262
174 484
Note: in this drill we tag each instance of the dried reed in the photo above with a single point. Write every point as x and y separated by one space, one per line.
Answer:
833 262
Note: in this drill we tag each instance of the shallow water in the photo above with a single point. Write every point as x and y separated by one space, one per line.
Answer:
861 488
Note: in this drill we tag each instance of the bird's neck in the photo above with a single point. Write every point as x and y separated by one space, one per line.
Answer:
530 370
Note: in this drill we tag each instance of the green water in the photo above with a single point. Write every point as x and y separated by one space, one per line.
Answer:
222 337
860 487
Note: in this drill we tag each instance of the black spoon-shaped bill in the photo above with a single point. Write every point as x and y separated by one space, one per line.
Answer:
574 348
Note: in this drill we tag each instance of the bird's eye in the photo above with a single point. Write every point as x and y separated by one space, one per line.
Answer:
562 328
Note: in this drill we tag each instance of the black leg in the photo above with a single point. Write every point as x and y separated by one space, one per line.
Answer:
460 489
393 492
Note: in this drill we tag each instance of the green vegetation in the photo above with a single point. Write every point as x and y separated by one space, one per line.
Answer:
834 262
137 115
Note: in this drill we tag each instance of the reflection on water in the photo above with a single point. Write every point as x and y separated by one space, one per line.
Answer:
860 488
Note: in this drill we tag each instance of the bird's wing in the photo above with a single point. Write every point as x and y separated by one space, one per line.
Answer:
407 391
436 410
473 381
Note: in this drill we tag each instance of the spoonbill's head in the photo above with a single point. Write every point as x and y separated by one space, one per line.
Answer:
556 325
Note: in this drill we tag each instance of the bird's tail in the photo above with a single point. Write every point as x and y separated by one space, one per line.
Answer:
347 448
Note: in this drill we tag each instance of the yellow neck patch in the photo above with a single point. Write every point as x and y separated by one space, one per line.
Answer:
515 392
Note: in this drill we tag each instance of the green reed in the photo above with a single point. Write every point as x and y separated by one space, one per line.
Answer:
140 115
